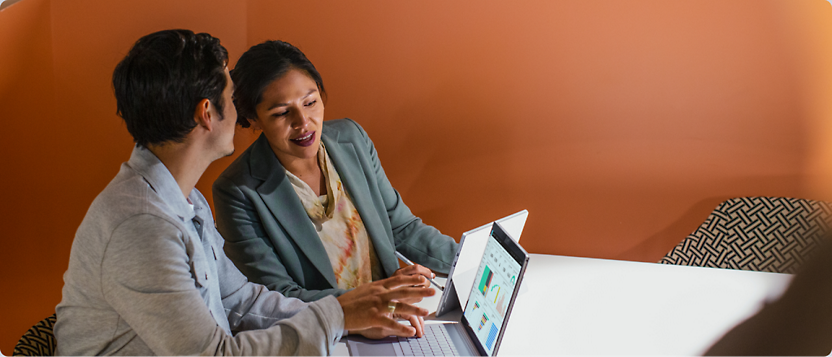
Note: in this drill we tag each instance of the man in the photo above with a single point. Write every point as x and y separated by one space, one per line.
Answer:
147 273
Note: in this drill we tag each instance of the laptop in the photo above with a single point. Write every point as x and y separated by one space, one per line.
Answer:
466 261
481 326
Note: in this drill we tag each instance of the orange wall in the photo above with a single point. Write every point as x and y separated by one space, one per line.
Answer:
34 246
618 124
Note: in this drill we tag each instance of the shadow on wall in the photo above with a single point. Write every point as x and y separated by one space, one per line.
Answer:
657 245
663 241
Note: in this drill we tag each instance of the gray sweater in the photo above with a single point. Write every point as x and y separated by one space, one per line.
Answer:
148 276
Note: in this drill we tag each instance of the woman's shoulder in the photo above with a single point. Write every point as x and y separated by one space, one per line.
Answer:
345 128
241 167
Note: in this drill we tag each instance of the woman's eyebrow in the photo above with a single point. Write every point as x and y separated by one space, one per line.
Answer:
310 92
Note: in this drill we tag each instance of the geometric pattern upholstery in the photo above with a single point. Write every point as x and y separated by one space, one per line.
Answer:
38 341
772 234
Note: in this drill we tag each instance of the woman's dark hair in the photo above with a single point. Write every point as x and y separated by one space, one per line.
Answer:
261 65
163 78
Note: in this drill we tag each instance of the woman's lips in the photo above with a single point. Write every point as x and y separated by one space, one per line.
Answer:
304 140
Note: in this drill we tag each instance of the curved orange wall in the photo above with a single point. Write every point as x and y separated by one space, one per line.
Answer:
618 124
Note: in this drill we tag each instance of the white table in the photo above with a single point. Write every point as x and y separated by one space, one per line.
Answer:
584 306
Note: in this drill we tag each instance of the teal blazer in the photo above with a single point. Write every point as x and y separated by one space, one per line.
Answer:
270 238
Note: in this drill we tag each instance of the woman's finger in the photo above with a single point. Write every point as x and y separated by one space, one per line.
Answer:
416 269
397 281
408 294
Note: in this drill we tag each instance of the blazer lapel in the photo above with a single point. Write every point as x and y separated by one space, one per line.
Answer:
279 196
346 162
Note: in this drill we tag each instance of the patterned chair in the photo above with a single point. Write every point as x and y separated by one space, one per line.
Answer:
38 341
772 234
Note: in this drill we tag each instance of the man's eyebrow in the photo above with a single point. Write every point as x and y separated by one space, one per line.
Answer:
275 105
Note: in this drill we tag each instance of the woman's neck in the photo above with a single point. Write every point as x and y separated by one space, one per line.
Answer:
308 170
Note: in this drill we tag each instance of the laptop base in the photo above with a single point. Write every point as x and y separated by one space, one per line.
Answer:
390 346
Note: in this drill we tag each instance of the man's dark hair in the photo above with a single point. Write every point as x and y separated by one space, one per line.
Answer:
162 79
261 65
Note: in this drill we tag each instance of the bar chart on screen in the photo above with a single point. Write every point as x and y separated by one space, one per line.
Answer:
483 321
501 305
492 334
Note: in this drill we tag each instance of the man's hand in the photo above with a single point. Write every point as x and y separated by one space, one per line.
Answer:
381 332
416 269
366 307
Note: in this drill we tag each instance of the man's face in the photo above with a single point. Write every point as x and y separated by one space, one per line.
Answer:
226 126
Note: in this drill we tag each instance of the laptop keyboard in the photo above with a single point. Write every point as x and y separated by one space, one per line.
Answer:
434 343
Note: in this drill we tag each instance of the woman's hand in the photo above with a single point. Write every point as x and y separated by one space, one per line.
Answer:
367 307
416 270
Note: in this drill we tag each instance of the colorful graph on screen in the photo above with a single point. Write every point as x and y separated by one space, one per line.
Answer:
492 335
485 282
501 305
498 292
495 279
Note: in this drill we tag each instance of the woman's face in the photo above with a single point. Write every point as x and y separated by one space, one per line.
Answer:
291 114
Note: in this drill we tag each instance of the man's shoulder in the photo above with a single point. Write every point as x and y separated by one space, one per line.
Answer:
127 196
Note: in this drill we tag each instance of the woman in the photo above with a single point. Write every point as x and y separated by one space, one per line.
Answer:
307 209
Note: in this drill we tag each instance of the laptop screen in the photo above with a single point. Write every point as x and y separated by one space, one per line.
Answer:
489 298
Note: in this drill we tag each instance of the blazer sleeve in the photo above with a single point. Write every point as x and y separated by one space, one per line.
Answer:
248 245
420 242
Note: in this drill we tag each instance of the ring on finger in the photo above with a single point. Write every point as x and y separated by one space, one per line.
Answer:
391 307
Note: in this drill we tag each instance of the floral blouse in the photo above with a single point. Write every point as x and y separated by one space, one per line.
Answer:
339 226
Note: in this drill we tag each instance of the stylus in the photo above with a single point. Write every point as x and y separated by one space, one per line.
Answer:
408 262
